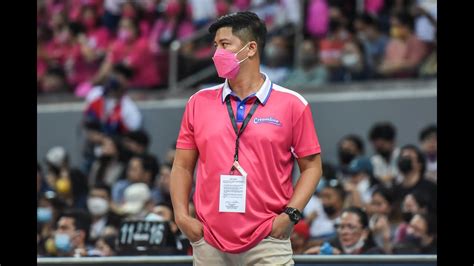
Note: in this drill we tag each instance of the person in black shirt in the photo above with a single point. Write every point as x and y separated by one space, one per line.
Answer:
412 166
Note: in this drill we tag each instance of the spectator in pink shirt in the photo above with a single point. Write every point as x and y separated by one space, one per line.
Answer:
132 50
404 52
175 24
97 36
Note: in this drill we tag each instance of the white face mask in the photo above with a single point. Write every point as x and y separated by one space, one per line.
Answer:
97 206
356 246
363 185
97 151
154 217
350 60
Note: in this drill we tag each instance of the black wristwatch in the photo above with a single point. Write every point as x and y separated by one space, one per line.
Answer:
295 214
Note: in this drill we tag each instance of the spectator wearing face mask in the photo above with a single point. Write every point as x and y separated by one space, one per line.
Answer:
141 169
332 201
383 218
101 211
311 72
321 226
71 234
349 147
96 39
163 211
360 185
132 50
69 183
412 167
46 214
404 52
412 204
353 62
421 236
64 58
373 40
382 136
105 246
331 49
174 25
111 107
429 146
161 190
276 57
108 168
93 140
353 236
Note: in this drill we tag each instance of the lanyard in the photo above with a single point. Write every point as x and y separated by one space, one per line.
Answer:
244 124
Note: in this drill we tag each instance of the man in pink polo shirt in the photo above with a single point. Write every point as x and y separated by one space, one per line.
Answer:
246 133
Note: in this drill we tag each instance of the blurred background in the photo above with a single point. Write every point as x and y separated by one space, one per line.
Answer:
113 77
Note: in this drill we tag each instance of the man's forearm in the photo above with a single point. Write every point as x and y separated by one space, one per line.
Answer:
305 187
180 188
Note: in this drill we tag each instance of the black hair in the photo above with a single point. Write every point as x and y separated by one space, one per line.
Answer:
337 186
81 220
363 218
139 136
56 71
405 19
103 187
431 222
75 28
334 25
385 193
419 156
329 171
92 124
246 25
383 130
123 70
110 240
357 141
367 19
422 199
427 131
150 164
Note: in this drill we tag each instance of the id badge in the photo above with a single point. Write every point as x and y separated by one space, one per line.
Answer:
233 190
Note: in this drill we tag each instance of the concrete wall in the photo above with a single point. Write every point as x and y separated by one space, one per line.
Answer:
336 114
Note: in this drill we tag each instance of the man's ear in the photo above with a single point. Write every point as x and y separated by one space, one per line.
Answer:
253 49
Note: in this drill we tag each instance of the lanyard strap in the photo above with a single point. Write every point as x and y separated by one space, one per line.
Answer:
244 124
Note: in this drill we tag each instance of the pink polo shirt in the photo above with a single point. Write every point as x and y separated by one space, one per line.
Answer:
281 126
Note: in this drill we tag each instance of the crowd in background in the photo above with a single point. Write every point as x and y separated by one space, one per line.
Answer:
382 203
79 41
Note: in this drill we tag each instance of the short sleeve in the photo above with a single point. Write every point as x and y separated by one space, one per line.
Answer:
305 140
186 132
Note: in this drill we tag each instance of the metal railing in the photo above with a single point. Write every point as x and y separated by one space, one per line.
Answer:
300 259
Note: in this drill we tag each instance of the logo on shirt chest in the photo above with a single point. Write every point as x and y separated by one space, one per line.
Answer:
267 120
